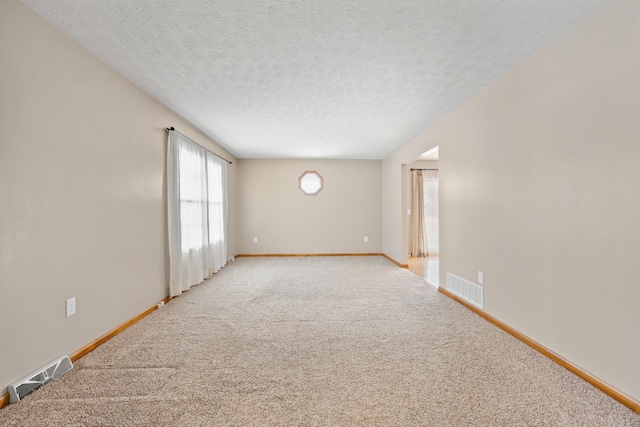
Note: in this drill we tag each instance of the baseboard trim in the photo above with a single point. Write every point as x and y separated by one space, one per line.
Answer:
4 400
399 264
287 255
301 255
115 331
594 381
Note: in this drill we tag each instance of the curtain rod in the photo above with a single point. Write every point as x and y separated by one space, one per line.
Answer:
174 129
424 169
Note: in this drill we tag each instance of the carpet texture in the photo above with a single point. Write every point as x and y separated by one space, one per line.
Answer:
316 341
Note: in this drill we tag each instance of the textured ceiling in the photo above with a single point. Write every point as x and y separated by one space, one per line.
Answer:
313 78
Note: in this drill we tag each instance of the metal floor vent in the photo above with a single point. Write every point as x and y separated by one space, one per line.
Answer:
466 290
36 379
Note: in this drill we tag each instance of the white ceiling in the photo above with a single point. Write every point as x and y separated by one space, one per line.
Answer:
313 78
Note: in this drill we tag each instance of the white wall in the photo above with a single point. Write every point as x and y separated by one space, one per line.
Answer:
286 221
82 208
540 189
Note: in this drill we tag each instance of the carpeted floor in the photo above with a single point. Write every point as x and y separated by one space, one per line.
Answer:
316 341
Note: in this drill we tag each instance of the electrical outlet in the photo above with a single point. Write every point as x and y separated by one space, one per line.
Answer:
71 306
408 211
480 277
255 240
366 239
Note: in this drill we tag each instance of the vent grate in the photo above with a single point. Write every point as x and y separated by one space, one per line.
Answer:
468 291
41 376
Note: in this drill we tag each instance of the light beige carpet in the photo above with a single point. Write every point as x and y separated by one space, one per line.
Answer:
316 341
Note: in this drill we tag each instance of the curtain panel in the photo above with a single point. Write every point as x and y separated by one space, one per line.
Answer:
196 213
419 245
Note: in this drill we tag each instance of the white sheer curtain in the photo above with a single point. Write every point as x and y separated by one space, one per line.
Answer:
431 209
196 211
217 198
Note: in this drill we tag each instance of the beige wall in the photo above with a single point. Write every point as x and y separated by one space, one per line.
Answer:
286 221
82 209
540 190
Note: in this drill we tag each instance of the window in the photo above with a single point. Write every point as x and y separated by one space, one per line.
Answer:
196 207
431 209
193 197
310 183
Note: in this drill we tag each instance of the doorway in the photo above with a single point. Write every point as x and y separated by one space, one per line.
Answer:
423 206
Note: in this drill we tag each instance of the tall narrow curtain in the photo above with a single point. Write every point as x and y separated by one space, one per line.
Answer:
196 213
431 208
419 245
217 198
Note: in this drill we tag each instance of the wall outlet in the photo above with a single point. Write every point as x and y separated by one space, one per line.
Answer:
366 239
71 306
480 277
255 240
408 211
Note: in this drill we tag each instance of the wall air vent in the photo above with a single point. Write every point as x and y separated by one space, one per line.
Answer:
468 291
36 379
